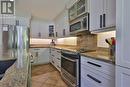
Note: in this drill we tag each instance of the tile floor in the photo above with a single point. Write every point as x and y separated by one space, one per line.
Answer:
46 76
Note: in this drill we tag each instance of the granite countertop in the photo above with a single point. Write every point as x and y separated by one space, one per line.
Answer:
17 74
68 48
98 55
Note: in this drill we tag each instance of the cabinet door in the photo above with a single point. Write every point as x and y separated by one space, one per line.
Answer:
44 30
87 83
123 33
122 77
109 15
84 82
96 11
62 24
43 57
35 29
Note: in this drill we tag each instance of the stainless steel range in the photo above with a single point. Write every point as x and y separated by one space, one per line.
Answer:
70 68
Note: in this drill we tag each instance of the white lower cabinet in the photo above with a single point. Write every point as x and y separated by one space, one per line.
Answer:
40 55
122 77
55 58
87 83
92 77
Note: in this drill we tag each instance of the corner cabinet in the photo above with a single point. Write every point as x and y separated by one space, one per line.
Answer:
40 29
40 55
102 14
62 24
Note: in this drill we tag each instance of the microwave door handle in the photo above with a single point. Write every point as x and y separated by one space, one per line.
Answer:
69 59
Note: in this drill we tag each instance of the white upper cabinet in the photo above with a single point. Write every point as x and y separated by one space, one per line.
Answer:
123 33
40 29
96 12
62 24
110 13
78 9
102 14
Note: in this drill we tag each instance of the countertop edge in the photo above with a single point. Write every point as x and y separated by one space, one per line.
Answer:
99 59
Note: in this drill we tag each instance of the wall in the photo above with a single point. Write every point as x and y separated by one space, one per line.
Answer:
102 36
67 41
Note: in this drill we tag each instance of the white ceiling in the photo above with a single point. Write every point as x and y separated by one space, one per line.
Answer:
43 9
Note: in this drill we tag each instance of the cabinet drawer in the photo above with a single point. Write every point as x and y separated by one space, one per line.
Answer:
103 67
96 77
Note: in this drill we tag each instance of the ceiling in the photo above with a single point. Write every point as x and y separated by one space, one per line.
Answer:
43 9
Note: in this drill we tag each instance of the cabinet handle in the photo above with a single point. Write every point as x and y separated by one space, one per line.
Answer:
104 20
63 32
94 64
93 78
58 52
53 55
100 21
58 58
58 66
36 55
56 34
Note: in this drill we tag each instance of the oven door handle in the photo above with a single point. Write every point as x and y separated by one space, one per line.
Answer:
72 60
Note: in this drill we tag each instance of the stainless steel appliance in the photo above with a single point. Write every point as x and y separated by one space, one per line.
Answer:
15 37
80 24
70 68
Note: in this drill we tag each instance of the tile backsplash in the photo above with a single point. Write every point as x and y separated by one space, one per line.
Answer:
67 41
102 36
87 41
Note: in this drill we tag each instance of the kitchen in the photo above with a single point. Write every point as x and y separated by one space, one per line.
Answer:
65 43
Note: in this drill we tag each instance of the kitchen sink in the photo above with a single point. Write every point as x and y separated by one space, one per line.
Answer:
4 65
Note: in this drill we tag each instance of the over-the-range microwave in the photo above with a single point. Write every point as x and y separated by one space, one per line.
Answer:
80 24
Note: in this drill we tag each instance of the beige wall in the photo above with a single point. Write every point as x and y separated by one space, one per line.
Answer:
102 36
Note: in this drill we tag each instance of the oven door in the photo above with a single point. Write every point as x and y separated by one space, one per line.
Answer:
69 65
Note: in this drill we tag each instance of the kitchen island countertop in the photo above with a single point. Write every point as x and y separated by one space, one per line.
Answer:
17 74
